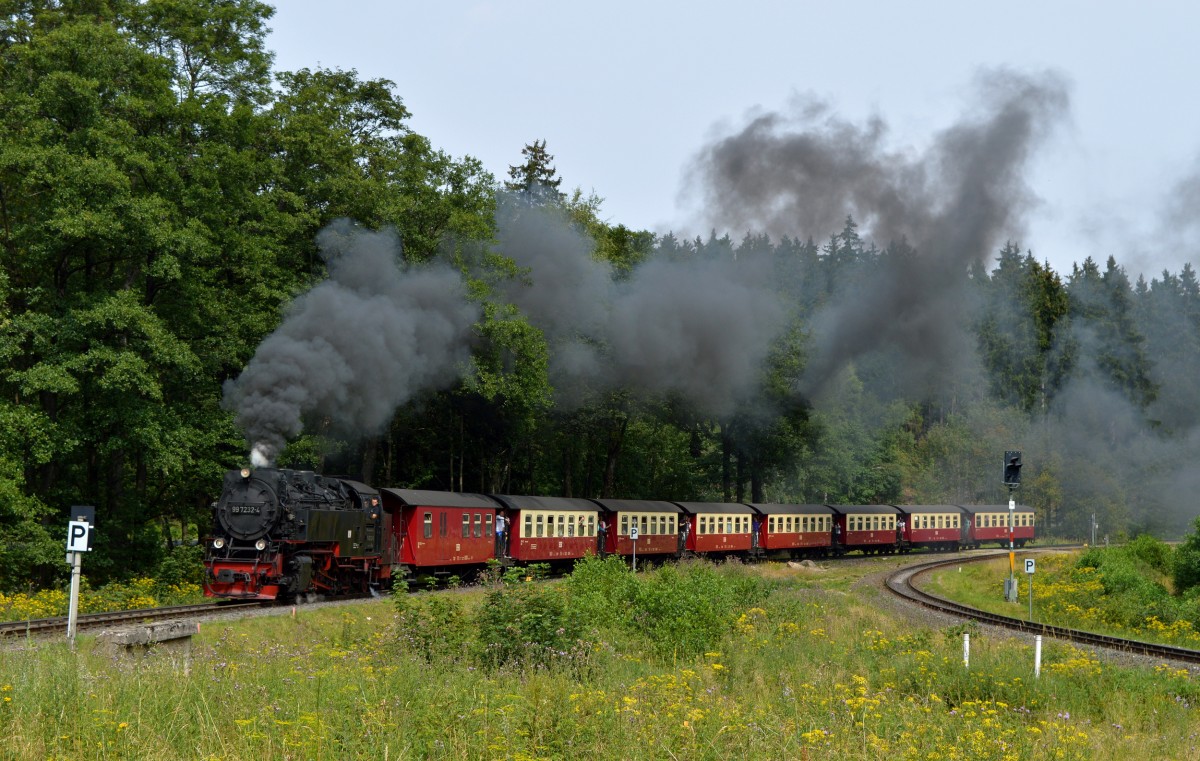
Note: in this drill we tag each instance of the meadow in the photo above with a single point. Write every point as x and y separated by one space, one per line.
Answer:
693 661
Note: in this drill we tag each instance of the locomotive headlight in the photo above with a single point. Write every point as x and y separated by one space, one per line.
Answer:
260 545
218 543
245 472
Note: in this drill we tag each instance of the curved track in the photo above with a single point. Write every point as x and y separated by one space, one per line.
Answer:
903 584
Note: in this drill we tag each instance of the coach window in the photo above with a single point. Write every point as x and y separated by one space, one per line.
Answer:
428 525
528 532
466 525
645 527
539 521
478 525
487 525
624 525
591 525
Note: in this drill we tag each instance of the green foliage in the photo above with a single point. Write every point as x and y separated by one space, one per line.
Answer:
433 627
681 609
1129 596
182 565
527 625
1186 565
602 590
686 609
1154 553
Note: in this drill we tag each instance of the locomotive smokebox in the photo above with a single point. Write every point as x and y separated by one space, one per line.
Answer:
249 504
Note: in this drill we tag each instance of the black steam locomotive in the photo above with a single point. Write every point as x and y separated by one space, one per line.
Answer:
281 533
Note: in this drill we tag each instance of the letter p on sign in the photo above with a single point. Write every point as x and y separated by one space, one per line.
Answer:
1029 565
77 536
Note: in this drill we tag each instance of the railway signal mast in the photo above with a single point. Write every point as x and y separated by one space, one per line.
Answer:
1012 479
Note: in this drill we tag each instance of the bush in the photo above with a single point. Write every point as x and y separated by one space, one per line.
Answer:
184 564
525 624
686 609
1151 552
602 591
432 627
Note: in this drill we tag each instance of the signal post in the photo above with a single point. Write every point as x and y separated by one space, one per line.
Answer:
1012 479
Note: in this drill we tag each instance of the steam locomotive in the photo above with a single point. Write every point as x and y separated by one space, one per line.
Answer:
287 534
282 533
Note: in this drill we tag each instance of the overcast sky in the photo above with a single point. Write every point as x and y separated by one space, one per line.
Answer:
626 94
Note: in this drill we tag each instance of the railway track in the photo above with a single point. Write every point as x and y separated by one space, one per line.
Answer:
93 621
904 581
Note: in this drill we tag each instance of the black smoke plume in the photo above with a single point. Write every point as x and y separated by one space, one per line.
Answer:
698 329
362 342
802 173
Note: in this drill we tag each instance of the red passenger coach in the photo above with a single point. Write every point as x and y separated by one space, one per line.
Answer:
658 524
989 523
795 529
938 527
719 527
437 530
870 528
549 529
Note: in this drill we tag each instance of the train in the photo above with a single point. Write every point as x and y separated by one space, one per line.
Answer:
287 535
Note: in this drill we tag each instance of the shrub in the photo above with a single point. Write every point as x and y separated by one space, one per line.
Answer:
432 627
686 609
602 591
1151 552
184 564
527 625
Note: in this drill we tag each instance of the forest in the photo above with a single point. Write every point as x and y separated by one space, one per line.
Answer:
206 262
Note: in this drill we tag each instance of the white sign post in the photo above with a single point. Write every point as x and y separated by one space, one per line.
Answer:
633 534
1029 569
78 534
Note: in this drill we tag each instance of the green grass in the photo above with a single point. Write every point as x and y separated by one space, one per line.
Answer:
799 669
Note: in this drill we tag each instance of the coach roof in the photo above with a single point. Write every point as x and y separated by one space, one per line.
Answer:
637 506
724 508
778 509
430 498
559 504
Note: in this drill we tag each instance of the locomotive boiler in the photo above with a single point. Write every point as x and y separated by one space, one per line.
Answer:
280 533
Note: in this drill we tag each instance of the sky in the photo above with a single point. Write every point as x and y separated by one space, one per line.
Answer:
627 95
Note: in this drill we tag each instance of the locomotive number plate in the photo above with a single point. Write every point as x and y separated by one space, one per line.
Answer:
245 509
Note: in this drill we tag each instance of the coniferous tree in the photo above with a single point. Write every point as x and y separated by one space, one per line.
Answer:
536 181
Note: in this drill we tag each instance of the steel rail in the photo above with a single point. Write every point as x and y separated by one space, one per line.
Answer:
99 620
903 583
